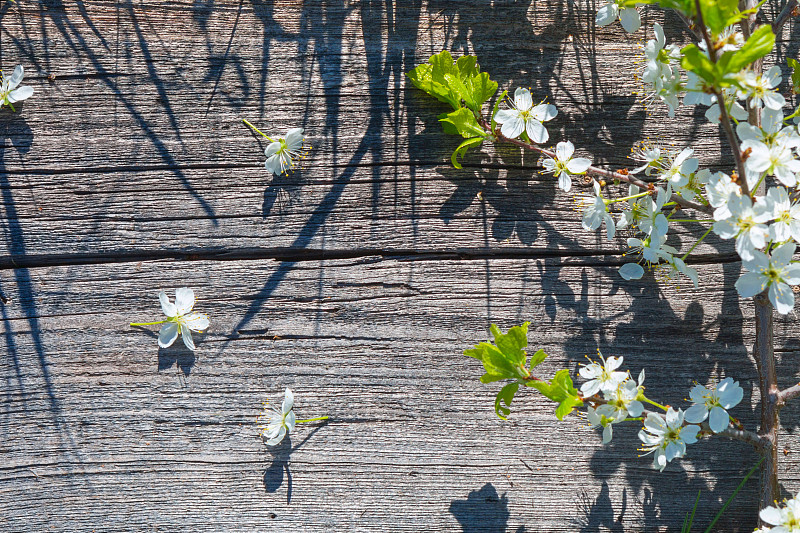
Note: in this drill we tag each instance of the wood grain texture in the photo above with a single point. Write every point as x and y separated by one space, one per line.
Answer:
357 281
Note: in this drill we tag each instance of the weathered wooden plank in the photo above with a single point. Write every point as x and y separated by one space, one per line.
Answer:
99 414
138 146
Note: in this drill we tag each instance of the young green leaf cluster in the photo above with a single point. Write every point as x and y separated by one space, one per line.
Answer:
461 84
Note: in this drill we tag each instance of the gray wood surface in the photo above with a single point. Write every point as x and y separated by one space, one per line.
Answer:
357 281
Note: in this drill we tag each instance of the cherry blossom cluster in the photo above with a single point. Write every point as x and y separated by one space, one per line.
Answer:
614 397
765 227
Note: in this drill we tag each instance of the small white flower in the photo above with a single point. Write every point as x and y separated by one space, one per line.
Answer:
524 116
777 160
278 423
178 318
713 403
622 401
680 168
564 165
10 91
667 437
776 273
785 213
595 212
598 419
603 377
758 88
628 16
284 154
649 155
735 110
745 224
786 519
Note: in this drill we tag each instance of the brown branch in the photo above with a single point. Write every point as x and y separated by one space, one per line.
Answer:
627 178
788 394
786 13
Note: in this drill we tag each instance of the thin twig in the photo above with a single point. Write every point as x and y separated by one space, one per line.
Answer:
627 178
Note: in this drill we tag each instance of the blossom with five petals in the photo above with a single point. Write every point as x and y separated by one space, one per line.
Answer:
775 272
602 377
524 116
713 403
564 165
283 154
179 319
667 437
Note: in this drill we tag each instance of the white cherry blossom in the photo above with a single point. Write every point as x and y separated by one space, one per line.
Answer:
10 91
786 519
602 377
564 165
284 154
667 437
758 88
277 424
524 116
775 273
713 403
745 224
179 318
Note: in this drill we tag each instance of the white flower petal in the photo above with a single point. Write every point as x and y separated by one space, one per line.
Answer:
631 271
168 334
167 307
579 165
16 77
750 284
279 437
629 17
186 335
184 300
606 14
536 131
696 413
20 94
522 99
288 400
782 297
718 419
564 150
504 115
513 127
564 182
272 148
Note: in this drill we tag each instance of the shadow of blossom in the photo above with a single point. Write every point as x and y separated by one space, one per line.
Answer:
483 511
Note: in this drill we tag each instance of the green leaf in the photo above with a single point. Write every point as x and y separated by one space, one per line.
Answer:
422 78
482 88
537 358
467 66
506 394
795 66
462 150
694 60
561 390
464 122
496 364
461 90
760 43
507 359
513 342
717 13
